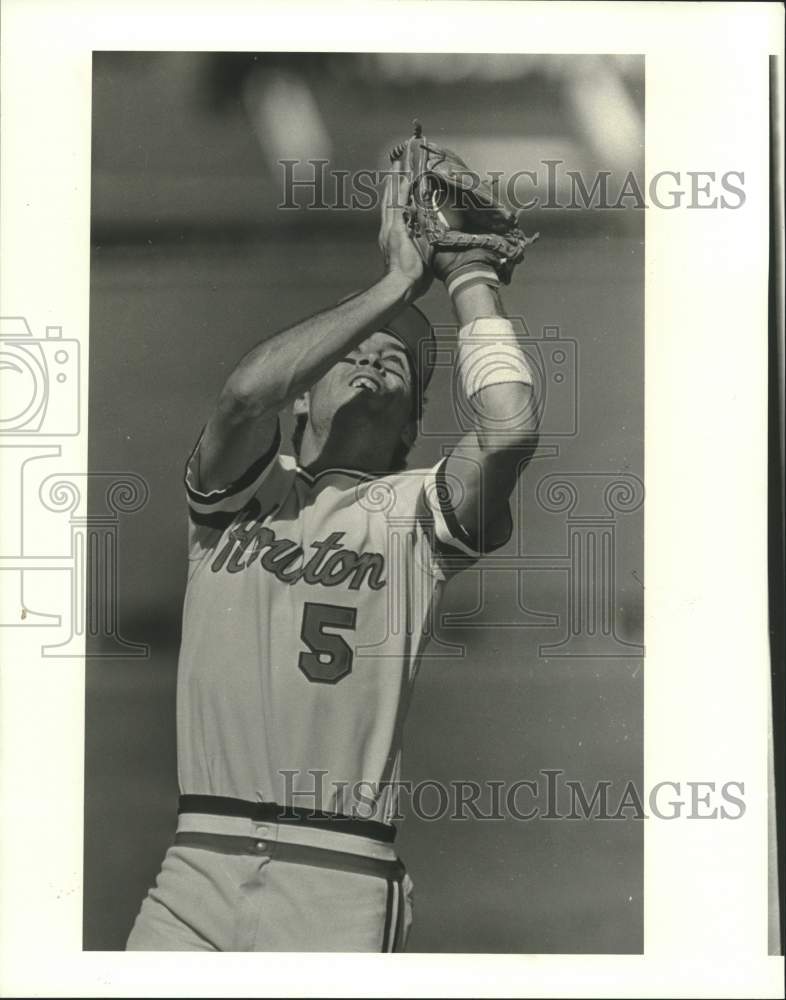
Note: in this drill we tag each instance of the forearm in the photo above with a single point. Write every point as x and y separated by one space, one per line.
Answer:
504 414
474 302
277 370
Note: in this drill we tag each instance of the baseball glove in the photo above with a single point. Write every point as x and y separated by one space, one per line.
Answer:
454 216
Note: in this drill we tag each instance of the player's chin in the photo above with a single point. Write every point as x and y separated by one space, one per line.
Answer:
374 400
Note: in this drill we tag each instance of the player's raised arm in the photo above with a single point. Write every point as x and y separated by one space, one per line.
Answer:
498 385
244 422
472 243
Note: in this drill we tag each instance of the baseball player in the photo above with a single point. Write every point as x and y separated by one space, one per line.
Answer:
311 584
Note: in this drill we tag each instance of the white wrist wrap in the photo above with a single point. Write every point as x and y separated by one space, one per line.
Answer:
488 354
481 274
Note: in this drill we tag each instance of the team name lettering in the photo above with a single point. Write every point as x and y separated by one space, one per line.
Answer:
330 564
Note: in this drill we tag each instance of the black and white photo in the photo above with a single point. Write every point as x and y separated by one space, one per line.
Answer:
390 554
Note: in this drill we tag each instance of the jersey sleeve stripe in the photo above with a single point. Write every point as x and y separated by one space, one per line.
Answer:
219 520
448 536
448 532
236 494
449 529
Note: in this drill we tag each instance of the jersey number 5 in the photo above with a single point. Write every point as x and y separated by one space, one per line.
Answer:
330 656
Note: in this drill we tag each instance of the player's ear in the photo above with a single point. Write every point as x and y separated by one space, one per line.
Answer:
300 405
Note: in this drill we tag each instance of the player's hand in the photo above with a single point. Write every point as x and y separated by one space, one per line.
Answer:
399 250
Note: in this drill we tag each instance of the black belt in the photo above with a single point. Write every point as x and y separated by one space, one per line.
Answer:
271 812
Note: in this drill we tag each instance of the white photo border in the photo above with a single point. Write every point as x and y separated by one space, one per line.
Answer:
707 668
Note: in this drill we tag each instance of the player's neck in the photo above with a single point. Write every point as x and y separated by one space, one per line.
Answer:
358 455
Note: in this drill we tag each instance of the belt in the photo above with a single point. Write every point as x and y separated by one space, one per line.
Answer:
271 812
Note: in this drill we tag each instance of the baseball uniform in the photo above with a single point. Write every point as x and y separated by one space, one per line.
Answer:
308 604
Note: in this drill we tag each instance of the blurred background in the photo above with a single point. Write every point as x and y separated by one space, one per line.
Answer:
194 261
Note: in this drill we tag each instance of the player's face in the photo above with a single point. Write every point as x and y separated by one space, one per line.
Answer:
375 378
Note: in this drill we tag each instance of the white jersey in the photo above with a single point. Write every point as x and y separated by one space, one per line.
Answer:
308 604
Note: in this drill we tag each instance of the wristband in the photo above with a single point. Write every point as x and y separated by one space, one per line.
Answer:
476 273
